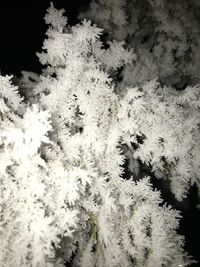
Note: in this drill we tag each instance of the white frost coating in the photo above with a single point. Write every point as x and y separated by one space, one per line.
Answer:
62 191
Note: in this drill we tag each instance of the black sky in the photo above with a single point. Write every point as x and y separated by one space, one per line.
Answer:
22 29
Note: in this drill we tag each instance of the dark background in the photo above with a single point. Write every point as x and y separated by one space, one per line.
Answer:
23 28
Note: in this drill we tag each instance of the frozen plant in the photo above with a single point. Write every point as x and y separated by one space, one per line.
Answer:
164 34
63 197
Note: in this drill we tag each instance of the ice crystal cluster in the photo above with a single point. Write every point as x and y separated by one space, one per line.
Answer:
64 138
164 34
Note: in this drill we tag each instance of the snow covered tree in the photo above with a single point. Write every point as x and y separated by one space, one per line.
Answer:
164 34
63 145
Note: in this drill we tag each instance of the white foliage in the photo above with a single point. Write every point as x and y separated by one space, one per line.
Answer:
62 190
